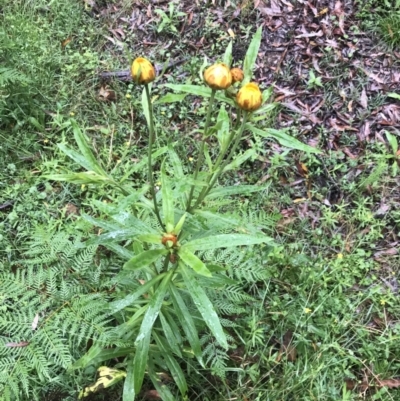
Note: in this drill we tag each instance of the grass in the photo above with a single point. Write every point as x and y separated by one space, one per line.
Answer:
324 313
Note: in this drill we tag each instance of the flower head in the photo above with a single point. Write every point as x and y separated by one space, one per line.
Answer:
237 75
218 76
249 97
142 71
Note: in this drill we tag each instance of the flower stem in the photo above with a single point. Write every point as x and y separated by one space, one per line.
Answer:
149 161
219 167
200 157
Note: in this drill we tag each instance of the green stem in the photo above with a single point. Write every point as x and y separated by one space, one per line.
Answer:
166 263
219 170
200 157
150 164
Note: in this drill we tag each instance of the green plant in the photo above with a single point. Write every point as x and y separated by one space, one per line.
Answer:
48 314
161 302
169 21
314 81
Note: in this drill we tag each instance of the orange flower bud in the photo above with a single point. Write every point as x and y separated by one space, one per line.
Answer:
249 97
237 75
218 76
173 239
142 71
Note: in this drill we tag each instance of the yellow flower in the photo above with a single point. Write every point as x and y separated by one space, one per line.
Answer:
218 76
249 97
307 310
142 71
237 75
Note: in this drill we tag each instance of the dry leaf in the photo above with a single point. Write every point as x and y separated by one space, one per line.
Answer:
364 99
65 42
35 321
106 94
391 383
15 345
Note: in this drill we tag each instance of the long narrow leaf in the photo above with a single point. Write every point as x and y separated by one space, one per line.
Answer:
167 200
204 306
86 178
283 138
170 335
251 56
222 192
228 55
129 384
186 320
194 262
199 91
225 241
144 336
129 299
172 364
74 155
144 259
239 160
87 153
161 388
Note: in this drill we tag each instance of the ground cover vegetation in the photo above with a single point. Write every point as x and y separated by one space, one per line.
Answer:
309 314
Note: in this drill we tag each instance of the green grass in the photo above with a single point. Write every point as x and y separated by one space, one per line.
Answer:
326 287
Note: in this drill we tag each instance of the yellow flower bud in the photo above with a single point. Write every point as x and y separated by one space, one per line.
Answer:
142 71
237 75
249 97
218 76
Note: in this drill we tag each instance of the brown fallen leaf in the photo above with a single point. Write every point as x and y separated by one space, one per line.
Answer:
106 94
152 395
364 99
15 345
287 348
391 383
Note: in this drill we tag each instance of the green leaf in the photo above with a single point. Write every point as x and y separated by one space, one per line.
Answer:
86 178
186 320
172 364
82 142
239 160
161 388
143 339
120 234
393 141
193 261
86 359
222 192
145 106
144 259
200 91
129 384
394 95
150 238
204 306
77 157
176 162
283 138
171 98
222 127
251 56
167 200
225 241
169 335
228 55
132 297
